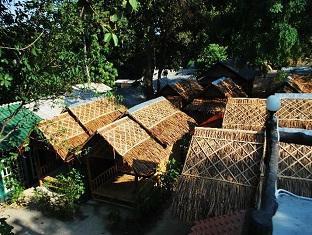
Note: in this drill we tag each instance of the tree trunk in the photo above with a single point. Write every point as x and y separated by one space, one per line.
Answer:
158 79
148 77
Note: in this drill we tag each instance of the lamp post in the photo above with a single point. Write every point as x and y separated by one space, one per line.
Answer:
262 218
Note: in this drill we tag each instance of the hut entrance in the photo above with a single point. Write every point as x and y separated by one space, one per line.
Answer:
109 182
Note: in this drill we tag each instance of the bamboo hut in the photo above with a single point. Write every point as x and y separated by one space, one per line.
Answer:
162 120
122 155
269 84
211 105
68 132
227 88
221 69
251 114
182 92
221 173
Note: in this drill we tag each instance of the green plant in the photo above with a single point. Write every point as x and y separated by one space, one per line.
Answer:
61 195
168 178
5 228
281 76
17 190
210 55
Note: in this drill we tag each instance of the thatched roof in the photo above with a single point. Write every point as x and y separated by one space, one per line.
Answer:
251 114
139 151
70 130
64 134
269 84
98 113
162 120
188 89
220 174
245 114
303 83
295 169
228 87
207 106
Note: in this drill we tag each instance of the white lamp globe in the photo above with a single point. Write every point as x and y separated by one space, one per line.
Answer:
273 103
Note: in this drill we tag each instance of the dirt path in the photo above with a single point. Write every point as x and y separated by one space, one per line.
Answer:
92 220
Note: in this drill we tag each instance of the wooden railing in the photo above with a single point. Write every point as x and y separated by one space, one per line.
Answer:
103 177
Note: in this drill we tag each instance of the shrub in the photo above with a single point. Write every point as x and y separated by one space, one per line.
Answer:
210 55
60 196
5 228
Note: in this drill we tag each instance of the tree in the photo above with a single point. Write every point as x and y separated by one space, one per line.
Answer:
210 55
154 36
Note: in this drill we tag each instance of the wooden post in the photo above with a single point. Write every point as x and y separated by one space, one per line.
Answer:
261 220
89 174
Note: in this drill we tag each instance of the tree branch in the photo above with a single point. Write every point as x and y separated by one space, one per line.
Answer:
24 48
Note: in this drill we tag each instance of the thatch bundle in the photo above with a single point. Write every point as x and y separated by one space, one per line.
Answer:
295 169
221 173
162 120
139 151
64 134
210 107
98 113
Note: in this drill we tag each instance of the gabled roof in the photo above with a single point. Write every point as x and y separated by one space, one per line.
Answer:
228 87
139 151
251 114
70 130
220 174
65 134
162 120
188 89
18 122
96 114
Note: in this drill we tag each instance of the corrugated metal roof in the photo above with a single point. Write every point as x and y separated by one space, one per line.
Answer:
21 123
293 215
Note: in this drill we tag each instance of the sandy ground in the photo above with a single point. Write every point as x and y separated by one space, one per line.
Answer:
92 220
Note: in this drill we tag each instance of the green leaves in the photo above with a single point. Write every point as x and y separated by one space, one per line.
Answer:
5 80
115 39
276 8
109 36
134 4
113 18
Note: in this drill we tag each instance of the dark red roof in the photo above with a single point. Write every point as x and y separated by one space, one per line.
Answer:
231 224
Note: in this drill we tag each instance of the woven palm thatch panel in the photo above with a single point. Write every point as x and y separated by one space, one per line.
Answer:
188 89
98 113
207 106
229 88
135 145
295 169
251 114
295 113
124 135
245 114
221 173
63 133
164 121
